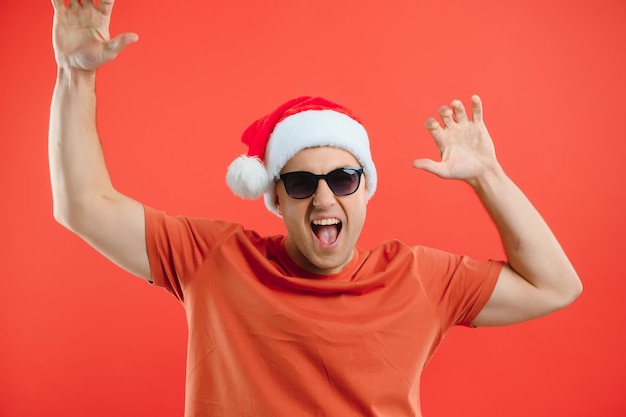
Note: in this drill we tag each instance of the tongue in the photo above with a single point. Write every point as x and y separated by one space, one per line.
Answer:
326 234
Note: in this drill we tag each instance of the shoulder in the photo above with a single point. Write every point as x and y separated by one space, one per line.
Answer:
160 224
160 218
395 250
423 262
396 257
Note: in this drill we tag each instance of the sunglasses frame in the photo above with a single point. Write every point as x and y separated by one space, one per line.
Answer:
356 170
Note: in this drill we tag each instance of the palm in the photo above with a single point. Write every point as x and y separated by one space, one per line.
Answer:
81 35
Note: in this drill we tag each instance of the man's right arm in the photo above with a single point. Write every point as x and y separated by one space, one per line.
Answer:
84 199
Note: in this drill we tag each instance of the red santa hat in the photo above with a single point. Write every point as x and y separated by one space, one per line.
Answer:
303 122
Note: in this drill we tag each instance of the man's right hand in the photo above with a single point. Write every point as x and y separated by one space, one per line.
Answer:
80 34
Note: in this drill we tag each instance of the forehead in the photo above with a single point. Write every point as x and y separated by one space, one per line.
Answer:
320 160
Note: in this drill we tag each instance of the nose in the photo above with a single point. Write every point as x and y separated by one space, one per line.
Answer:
323 196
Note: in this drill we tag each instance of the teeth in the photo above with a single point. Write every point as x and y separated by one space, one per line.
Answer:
325 222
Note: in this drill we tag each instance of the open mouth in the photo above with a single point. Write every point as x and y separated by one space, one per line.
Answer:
326 230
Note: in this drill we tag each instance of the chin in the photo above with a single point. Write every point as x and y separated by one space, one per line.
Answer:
331 266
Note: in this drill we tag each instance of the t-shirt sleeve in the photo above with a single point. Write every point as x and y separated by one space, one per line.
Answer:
458 285
177 246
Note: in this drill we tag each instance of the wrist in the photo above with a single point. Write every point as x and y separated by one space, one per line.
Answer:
487 178
74 75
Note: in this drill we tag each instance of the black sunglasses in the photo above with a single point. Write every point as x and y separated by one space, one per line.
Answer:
302 184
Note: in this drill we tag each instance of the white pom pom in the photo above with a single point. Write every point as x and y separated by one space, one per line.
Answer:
247 177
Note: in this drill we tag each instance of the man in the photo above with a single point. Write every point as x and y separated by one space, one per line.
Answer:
307 323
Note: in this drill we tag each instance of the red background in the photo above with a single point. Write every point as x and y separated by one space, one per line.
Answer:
79 337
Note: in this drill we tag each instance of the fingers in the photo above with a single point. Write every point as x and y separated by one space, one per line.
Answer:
77 3
437 132
477 109
452 116
113 47
431 166
455 113
424 163
459 111
106 6
74 4
432 124
434 128
58 4
447 115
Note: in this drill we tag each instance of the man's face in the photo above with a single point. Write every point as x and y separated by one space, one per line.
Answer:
323 229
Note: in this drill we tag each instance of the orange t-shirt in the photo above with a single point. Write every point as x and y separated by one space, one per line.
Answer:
269 339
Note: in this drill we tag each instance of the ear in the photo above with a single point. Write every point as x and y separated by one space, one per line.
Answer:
277 203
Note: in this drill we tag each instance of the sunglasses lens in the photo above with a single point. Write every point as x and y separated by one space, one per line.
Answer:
344 181
300 184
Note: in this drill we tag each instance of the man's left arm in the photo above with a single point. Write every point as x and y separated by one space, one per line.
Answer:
538 278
